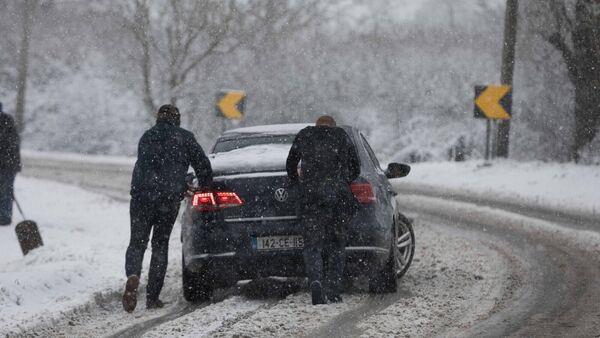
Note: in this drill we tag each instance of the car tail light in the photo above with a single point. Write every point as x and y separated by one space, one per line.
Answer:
363 192
210 201
228 199
204 201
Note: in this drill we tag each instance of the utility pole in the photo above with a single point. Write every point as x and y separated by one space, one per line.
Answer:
28 7
508 67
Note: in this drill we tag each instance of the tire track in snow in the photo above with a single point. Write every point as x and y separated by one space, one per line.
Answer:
469 299
346 324
138 329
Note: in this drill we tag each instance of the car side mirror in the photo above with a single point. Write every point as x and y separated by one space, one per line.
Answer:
397 170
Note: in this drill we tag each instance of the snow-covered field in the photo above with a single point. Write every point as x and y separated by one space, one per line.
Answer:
559 186
85 237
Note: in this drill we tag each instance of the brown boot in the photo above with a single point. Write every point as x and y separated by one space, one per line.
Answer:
130 294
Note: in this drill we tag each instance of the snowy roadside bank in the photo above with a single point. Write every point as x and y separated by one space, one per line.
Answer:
42 156
563 188
85 236
108 175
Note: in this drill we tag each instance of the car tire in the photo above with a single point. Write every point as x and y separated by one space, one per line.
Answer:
405 225
196 286
386 280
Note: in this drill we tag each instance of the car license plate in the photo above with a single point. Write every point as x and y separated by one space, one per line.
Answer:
277 242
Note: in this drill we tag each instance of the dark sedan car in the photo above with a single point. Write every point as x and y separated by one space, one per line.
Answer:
247 226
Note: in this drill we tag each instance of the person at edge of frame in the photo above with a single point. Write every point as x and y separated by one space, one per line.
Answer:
10 165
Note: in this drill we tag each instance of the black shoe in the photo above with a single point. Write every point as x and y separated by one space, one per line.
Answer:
5 221
154 304
130 294
317 293
334 298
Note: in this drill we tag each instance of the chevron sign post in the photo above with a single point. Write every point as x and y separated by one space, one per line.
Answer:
492 102
230 104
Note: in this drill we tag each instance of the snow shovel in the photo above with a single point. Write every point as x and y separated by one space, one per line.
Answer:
27 232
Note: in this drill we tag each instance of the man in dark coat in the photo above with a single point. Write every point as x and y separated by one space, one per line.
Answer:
158 185
328 164
10 164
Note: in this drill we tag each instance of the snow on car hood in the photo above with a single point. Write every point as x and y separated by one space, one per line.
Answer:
258 158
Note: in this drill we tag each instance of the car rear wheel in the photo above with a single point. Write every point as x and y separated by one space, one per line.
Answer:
405 245
196 286
402 250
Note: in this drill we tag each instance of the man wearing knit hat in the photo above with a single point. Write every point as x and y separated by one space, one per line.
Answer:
158 185
328 163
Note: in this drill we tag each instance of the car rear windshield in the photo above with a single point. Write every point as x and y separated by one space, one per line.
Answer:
225 145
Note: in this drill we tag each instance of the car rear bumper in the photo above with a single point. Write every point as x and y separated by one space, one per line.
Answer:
234 237
229 267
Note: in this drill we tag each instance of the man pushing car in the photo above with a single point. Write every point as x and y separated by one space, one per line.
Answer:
158 185
328 165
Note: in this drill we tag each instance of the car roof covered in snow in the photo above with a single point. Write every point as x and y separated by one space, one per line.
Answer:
271 129
269 157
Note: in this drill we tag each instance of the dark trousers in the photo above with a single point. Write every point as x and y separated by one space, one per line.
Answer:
7 183
146 215
324 248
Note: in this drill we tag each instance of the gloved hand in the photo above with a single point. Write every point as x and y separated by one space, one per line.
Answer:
189 191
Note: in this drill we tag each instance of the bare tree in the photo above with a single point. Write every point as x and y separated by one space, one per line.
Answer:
576 34
174 38
28 7
277 20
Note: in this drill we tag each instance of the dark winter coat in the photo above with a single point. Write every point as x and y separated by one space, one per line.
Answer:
328 163
165 153
10 158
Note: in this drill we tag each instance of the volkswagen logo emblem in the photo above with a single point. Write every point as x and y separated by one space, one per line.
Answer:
281 195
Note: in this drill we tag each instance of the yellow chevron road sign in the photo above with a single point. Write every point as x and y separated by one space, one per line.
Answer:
493 102
231 104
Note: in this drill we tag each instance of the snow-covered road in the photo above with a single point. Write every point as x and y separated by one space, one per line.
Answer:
479 270
554 285
71 286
